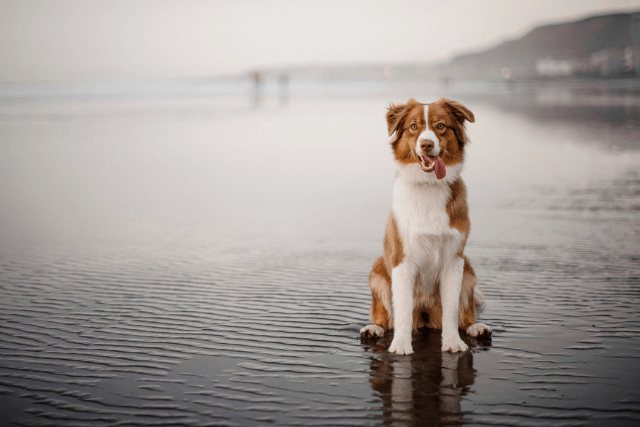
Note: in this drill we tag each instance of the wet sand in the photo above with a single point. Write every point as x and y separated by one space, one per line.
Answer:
203 262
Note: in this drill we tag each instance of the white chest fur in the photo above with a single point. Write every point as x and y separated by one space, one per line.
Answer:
420 201
420 209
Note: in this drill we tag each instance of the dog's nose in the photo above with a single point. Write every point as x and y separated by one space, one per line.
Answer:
426 145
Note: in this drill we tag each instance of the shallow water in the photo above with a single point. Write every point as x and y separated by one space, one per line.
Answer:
203 261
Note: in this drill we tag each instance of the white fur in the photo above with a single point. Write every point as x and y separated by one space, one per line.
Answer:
430 252
402 279
478 329
372 330
450 287
427 134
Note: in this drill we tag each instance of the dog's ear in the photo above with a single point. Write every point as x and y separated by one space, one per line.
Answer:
461 112
395 116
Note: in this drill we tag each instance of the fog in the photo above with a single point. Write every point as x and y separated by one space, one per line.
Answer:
93 40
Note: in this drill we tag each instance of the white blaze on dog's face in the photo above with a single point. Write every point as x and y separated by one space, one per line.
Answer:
427 143
431 135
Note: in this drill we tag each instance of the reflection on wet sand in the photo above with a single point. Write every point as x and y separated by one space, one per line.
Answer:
598 119
425 387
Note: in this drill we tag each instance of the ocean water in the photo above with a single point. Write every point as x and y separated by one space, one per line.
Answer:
186 254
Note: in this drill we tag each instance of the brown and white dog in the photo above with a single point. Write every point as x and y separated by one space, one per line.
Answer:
423 277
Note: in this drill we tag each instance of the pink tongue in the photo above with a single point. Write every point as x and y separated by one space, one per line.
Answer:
441 172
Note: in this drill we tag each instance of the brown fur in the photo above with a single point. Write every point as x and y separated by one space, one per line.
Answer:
452 136
407 122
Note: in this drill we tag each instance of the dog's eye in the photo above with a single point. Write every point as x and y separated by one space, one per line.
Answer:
414 126
440 126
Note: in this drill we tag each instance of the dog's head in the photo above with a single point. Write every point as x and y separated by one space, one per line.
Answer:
431 135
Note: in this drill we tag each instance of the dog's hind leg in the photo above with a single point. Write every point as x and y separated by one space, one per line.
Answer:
471 304
379 318
380 302
478 329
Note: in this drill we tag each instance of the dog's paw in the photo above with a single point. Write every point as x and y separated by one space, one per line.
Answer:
479 330
371 331
401 346
453 344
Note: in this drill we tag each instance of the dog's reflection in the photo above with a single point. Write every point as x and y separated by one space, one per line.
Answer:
424 388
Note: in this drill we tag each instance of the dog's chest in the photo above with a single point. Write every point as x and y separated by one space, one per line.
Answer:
421 209
429 242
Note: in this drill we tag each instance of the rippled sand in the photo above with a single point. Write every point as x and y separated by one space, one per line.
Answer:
203 262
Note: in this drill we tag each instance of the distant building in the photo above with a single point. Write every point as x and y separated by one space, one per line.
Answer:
551 67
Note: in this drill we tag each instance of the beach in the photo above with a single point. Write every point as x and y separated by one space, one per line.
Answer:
198 258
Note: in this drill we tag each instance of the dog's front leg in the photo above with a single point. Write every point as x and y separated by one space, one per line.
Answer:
450 287
403 278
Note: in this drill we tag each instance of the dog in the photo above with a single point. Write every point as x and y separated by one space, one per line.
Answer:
423 277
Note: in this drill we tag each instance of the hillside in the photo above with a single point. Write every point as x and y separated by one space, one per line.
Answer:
566 41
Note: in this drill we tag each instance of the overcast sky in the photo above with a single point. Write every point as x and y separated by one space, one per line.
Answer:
66 40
